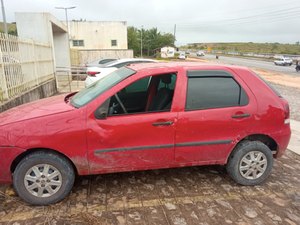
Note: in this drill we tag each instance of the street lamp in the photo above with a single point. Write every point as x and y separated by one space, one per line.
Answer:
66 13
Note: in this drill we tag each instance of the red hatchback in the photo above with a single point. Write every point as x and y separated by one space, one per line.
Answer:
141 117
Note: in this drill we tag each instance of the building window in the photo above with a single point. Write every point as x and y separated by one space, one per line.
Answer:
78 43
113 43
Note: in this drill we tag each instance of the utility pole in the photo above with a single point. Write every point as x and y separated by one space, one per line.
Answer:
142 42
4 18
174 34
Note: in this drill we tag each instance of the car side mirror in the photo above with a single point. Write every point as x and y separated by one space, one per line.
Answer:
102 111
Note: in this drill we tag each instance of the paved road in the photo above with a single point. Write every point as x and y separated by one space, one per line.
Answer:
253 63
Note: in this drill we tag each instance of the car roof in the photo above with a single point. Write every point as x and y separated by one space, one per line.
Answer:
183 65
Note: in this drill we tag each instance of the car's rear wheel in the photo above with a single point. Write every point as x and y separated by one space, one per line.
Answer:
43 178
250 163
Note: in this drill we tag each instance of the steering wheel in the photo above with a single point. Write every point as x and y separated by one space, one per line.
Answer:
120 102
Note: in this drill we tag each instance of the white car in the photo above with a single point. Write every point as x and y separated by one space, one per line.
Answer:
182 55
283 61
99 62
200 53
96 73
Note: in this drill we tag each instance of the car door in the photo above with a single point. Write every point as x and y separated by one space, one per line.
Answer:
216 114
136 140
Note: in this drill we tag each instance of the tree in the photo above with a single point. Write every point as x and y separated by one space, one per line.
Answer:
133 39
152 40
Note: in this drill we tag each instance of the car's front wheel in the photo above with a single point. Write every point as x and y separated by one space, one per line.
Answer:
250 163
43 178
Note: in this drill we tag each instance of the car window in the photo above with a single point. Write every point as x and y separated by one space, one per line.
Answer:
205 92
119 65
149 94
91 92
138 86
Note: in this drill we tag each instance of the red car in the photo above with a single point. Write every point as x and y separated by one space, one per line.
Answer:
145 116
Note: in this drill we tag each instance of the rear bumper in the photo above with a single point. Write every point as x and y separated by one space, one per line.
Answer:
7 156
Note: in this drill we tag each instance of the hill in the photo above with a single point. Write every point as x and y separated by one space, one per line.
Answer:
250 47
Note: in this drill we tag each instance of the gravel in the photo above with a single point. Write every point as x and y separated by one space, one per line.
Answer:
292 95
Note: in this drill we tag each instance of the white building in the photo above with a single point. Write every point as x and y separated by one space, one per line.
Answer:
99 39
98 34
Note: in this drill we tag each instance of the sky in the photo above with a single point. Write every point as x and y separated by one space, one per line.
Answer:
197 21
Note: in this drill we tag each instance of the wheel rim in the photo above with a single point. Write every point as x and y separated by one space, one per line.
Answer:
253 165
43 180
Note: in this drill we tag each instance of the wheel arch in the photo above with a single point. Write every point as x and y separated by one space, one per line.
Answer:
265 139
32 150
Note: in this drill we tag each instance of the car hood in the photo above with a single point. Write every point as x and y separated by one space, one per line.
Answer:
39 108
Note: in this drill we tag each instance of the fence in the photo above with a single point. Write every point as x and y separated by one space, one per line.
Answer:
70 79
24 64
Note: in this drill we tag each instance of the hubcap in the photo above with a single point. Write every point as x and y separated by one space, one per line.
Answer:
253 165
43 180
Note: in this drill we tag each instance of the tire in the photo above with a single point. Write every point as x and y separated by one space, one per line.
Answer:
246 158
43 187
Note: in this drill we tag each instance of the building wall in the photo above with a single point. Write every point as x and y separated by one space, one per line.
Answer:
45 28
98 35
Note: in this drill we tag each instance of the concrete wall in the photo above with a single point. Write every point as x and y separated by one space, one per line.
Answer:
34 26
45 28
61 49
45 90
98 35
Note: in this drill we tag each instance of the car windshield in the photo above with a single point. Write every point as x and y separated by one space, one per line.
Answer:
91 92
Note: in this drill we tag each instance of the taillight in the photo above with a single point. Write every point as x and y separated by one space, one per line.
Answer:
286 113
92 73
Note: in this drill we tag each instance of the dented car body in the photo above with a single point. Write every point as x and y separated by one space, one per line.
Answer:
145 116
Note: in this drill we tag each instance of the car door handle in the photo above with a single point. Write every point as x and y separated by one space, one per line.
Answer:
166 123
237 116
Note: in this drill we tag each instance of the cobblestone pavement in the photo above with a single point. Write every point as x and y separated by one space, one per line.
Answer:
193 195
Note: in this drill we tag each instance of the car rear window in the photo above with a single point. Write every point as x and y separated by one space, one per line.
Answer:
213 89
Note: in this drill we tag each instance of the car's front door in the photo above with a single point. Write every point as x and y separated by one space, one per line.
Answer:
134 134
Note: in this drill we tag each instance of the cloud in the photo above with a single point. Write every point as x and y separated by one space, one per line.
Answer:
196 20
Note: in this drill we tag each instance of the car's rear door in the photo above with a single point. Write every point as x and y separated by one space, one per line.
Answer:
216 114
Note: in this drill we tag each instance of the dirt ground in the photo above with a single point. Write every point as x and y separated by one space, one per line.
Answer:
183 196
